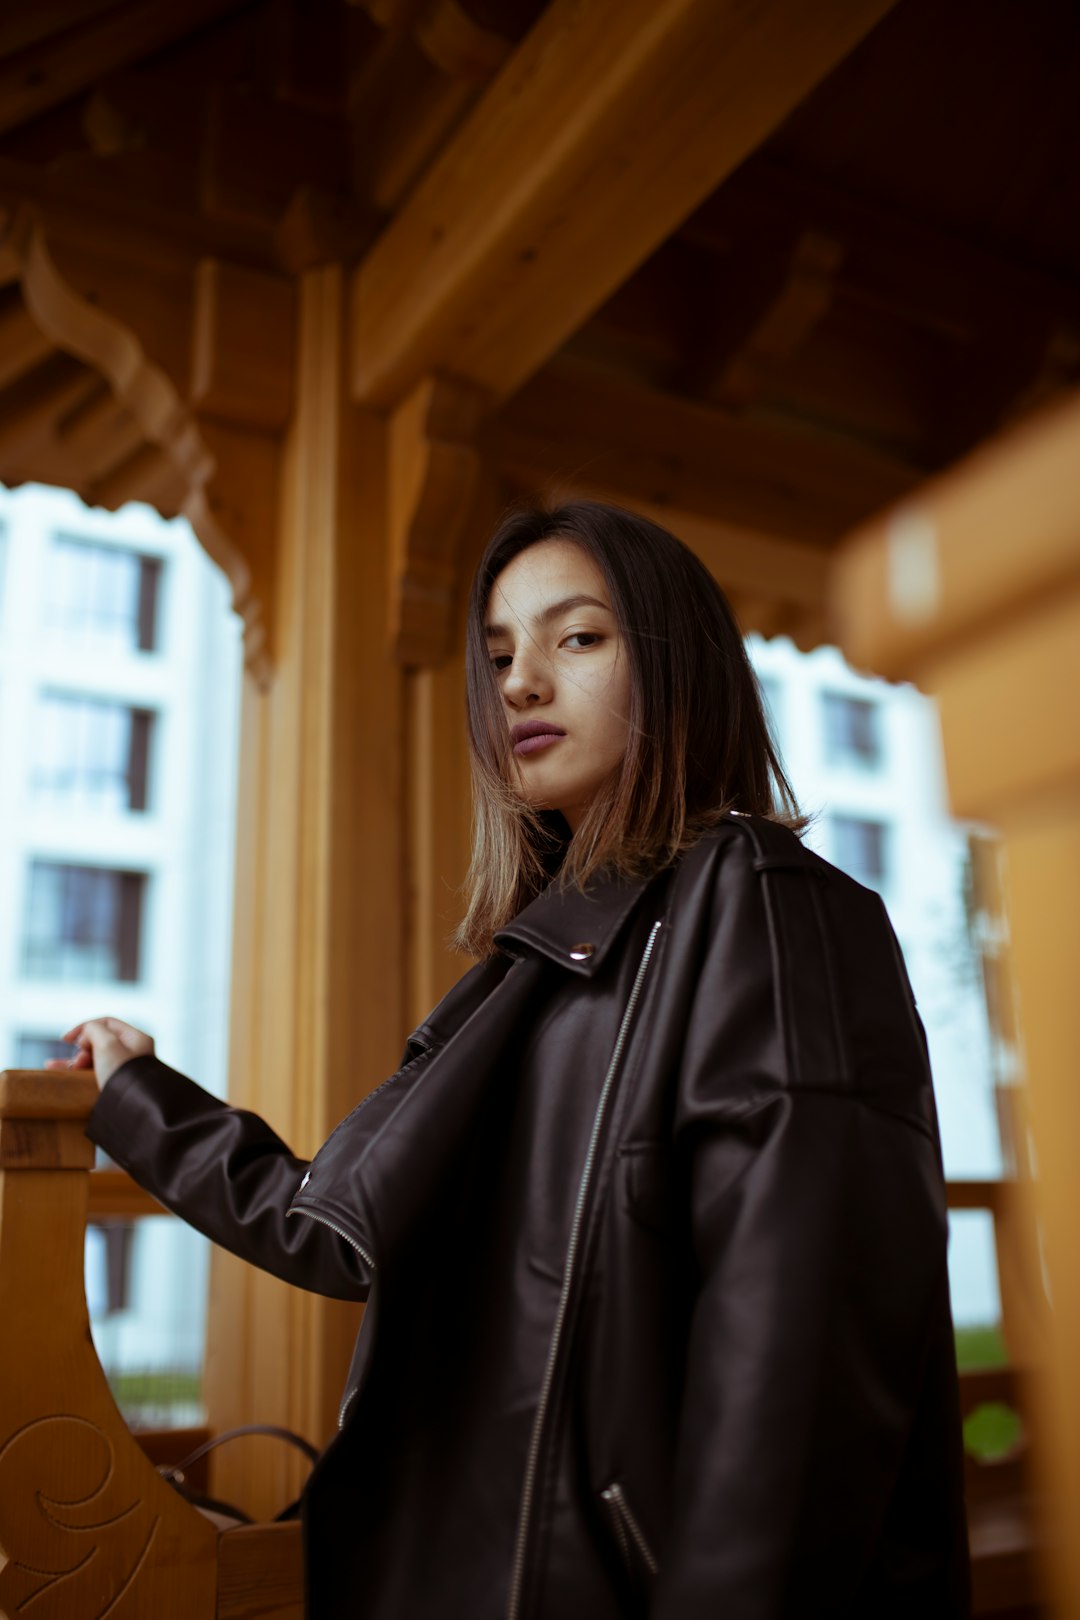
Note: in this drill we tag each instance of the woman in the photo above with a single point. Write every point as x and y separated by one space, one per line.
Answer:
651 1220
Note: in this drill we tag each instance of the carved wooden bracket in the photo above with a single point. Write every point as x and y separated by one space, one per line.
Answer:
433 465
218 451
803 302
87 1526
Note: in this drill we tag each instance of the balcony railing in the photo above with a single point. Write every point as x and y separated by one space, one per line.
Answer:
112 1521
88 1526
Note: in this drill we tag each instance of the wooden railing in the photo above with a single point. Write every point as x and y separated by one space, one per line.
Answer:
85 1516
88 1527
1005 1519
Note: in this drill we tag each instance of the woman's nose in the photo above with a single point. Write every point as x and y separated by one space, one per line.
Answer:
527 681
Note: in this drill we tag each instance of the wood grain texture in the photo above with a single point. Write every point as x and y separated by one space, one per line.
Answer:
944 566
318 1014
260 1573
607 126
974 590
574 424
47 1094
87 1526
44 1144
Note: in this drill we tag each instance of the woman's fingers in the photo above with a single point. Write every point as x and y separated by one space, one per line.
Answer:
102 1044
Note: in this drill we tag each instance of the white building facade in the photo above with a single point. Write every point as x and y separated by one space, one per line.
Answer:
864 758
120 666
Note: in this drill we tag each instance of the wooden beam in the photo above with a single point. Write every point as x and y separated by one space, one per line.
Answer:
21 26
54 70
765 571
573 423
22 344
973 589
459 46
400 120
258 151
244 342
801 304
1001 528
159 233
610 122
433 465
894 265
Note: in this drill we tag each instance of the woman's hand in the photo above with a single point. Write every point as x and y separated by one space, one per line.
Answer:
102 1044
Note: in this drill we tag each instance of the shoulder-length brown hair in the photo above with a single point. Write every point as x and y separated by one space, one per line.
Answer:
699 742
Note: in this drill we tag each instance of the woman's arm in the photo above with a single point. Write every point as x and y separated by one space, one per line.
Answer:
819 1468
221 1169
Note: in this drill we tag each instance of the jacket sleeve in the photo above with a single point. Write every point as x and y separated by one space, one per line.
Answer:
224 1171
820 1327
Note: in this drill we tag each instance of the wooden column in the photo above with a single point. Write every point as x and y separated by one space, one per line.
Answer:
319 974
973 589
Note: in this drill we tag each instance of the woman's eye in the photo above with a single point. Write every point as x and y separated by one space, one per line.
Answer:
501 661
582 638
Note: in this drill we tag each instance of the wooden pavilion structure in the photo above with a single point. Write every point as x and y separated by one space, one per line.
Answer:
338 280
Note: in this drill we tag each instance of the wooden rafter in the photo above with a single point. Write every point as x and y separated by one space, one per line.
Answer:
51 71
573 424
798 308
937 568
22 26
897 266
609 124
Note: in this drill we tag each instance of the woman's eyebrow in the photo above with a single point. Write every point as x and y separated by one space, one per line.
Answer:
554 610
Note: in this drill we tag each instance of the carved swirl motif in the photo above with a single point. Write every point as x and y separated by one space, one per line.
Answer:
73 1541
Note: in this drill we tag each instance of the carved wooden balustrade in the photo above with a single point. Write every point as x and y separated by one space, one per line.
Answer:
88 1527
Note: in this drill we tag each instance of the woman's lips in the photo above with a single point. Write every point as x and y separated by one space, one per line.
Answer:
538 740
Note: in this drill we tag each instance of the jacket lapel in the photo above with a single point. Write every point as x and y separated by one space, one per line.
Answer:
386 1166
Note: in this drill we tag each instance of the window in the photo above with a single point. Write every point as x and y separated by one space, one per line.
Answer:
770 695
32 1050
106 592
108 1267
83 922
859 847
852 730
90 753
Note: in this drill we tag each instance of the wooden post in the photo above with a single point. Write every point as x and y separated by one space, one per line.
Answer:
973 589
87 1525
319 966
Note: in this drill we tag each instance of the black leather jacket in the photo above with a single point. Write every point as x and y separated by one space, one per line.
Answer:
652 1221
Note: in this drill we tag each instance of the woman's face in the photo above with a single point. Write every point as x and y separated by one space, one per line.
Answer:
562 672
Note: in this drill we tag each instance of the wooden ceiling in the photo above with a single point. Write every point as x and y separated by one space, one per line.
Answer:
888 270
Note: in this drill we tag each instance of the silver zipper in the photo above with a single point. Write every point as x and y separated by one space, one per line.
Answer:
625 1519
351 1241
529 1486
346 1403
368 1261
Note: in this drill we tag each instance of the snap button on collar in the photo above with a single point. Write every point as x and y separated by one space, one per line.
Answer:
581 953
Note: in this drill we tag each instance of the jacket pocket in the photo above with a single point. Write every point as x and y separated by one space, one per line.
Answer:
650 1189
632 1542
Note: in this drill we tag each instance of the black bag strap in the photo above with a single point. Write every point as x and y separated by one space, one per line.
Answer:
174 1472
170 1470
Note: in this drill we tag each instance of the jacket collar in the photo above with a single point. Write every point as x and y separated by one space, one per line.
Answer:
574 929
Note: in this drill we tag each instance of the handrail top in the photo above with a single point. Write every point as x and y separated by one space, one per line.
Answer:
47 1093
